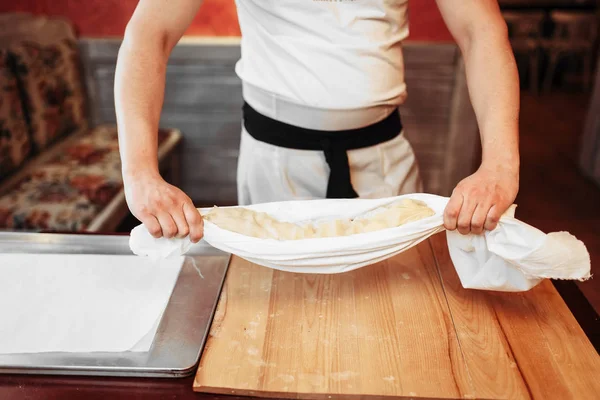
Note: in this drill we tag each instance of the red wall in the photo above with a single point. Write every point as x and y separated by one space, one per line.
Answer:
101 18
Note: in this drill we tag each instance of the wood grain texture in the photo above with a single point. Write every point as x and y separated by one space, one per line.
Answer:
519 345
383 330
404 327
542 332
487 353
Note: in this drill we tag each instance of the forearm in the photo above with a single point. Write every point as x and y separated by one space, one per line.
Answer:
154 29
139 93
493 83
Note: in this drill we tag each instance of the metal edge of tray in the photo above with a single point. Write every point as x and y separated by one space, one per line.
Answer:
82 244
182 332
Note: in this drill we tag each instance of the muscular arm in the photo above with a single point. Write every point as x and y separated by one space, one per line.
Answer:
152 32
154 29
493 82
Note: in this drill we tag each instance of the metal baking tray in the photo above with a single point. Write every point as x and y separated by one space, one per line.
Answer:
183 328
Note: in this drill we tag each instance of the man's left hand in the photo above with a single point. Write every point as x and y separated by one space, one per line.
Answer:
478 201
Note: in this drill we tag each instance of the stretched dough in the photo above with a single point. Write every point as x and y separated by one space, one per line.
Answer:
261 225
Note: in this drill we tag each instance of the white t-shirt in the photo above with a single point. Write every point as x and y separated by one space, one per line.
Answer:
327 54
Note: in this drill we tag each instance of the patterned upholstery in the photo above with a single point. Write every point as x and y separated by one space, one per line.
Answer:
52 89
42 112
15 145
70 189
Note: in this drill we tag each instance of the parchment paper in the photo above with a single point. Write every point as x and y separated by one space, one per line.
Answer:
82 303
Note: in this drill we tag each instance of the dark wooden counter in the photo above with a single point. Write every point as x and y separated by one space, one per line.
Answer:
14 387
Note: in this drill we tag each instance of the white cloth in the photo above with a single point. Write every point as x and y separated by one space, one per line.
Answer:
268 173
342 54
513 257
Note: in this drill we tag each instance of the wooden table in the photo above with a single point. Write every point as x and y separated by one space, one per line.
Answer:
452 342
404 327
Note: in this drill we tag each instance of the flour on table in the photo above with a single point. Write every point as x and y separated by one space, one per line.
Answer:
262 225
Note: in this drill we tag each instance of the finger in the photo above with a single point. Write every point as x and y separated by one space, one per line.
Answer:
152 225
168 226
479 218
452 211
493 216
182 225
466 215
195 222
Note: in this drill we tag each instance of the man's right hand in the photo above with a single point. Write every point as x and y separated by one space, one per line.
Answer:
164 210
153 31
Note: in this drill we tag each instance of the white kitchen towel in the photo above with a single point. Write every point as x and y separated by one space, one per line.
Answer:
513 257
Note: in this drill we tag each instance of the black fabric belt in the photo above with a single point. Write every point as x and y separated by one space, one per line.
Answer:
334 144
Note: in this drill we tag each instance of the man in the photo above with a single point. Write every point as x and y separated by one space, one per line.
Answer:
322 83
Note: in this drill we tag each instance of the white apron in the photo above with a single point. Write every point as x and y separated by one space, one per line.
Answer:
326 66
268 173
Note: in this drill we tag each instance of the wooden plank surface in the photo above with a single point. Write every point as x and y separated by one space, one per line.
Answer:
383 330
404 327
490 362
519 345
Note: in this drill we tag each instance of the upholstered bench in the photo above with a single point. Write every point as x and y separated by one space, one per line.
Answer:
76 184
57 172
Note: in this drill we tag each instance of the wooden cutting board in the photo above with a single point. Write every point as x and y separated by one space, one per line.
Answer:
403 327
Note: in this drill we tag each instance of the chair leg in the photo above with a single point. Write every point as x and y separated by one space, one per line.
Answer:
552 63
